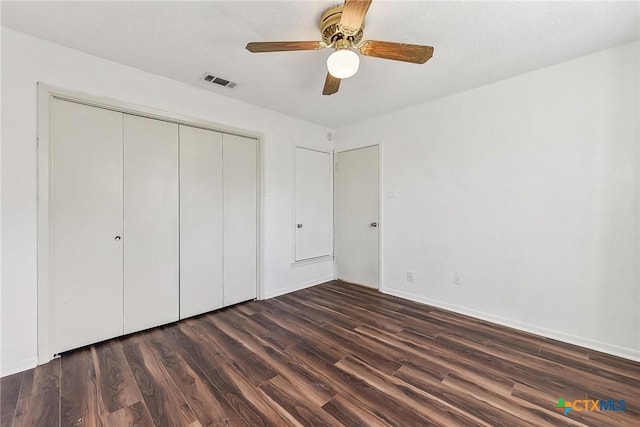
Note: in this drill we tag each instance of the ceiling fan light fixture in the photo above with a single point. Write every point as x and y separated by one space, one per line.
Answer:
343 63
341 27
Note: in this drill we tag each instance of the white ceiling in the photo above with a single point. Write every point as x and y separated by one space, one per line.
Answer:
475 43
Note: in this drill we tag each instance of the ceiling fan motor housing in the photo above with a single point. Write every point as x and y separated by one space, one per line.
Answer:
332 31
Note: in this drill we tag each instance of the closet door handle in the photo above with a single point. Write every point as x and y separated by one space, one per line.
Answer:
117 238
373 224
299 225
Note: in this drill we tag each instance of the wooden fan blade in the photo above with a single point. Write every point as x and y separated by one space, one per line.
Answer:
331 85
415 53
256 47
353 13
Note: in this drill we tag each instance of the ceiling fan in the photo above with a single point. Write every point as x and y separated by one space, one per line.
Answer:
341 27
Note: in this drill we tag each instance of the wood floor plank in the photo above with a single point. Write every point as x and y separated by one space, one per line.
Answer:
274 334
481 405
537 399
295 403
135 415
607 361
164 400
403 351
573 351
501 365
432 408
421 333
250 307
596 369
282 337
208 404
350 412
488 398
367 297
38 403
196 346
40 409
353 343
40 379
9 393
333 354
435 353
114 377
235 353
580 374
315 389
392 411
318 313
438 363
352 313
80 403
283 315
257 408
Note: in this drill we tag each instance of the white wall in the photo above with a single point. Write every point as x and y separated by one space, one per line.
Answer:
27 60
529 188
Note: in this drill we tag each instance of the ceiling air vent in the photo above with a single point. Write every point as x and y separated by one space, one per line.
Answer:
210 78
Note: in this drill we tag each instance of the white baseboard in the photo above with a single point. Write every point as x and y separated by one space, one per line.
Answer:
18 366
615 350
297 287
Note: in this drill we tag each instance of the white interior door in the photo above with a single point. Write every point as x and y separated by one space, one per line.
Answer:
86 218
200 221
314 216
150 223
240 168
356 235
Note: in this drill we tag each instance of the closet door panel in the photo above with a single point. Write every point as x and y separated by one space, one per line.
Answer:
86 217
150 223
240 161
200 221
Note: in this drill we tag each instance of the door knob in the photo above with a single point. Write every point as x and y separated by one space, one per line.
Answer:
299 225
117 238
373 224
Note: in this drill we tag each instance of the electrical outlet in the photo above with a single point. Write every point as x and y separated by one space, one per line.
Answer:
457 279
410 276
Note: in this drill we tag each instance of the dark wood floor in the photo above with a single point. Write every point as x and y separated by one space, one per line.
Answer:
335 354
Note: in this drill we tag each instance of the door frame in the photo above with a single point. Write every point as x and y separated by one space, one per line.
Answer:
379 143
45 95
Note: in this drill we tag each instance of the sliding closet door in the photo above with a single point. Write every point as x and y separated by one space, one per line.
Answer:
240 164
86 222
200 221
150 223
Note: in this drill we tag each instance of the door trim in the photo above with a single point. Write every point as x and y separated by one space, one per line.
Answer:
45 94
381 222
